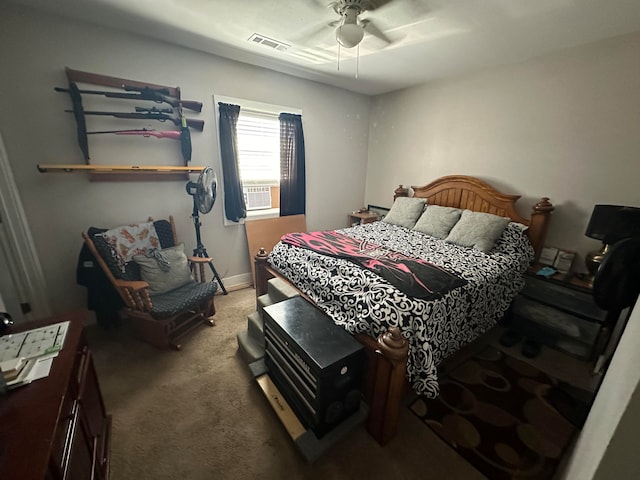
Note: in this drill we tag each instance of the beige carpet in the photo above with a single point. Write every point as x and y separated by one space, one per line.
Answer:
199 414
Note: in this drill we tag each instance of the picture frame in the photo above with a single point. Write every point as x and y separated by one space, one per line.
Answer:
564 261
548 256
380 211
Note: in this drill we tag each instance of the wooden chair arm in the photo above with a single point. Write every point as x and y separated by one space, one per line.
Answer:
197 265
135 294
132 284
199 259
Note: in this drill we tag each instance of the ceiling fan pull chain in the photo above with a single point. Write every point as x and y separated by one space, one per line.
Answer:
338 57
357 60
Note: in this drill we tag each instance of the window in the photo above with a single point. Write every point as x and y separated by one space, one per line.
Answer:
259 147
259 154
259 159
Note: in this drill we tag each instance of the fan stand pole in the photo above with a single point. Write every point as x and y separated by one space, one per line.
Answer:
200 251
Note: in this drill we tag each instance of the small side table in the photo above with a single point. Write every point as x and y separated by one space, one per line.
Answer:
360 218
560 312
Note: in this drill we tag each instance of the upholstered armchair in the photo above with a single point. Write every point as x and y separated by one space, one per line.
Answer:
164 293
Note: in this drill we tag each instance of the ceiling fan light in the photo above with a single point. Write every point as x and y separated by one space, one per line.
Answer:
349 35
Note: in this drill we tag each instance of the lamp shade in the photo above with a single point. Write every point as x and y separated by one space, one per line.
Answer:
349 35
611 223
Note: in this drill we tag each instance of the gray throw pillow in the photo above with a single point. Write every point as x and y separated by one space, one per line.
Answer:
477 230
159 280
405 211
438 221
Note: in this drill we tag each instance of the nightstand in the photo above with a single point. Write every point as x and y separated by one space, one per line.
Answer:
360 218
560 312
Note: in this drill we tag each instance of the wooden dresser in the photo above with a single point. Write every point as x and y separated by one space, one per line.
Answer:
57 428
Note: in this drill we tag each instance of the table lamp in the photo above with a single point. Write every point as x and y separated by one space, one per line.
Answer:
609 224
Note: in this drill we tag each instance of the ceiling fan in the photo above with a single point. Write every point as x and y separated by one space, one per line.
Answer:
351 28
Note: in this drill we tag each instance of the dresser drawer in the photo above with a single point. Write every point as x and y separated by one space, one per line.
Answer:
563 323
562 297
539 333
556 328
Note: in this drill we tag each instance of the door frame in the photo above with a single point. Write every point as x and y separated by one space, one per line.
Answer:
23 264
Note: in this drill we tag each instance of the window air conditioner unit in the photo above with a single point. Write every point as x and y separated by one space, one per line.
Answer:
257 198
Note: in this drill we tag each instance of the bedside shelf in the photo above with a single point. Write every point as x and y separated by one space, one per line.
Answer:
360 218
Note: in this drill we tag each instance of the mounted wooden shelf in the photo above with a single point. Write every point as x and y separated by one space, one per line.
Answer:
135 172
51 168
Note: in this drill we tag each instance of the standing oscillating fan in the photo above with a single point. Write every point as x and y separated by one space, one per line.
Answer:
203 192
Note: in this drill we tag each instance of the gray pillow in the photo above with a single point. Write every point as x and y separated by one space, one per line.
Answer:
159 280
438 221
477 230
405 211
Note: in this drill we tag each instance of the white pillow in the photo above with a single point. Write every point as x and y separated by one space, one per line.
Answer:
438 221
477 230
405 211
160 280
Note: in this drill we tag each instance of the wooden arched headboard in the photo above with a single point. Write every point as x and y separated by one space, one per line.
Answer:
471 193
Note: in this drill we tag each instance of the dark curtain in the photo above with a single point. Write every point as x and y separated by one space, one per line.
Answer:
292 170
234 206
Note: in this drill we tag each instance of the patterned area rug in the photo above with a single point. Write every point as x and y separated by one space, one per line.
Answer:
496 412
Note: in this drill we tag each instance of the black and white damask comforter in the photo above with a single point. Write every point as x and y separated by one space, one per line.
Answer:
362 302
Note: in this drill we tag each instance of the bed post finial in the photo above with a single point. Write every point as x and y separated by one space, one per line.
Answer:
393 344
400 192
261 274
544 205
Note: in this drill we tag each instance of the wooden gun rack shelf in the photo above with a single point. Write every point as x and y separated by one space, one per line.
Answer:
115 172
121 172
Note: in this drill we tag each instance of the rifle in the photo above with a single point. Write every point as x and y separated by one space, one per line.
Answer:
145 132
150 114
183 135
158 95
154 110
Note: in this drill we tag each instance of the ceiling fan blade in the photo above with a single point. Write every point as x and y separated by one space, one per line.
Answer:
375 4
311 35
419 7
403 11
320 4
369 27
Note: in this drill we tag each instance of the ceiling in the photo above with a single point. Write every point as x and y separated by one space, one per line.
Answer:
430 38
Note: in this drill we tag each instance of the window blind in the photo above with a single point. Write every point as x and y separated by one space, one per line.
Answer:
258 147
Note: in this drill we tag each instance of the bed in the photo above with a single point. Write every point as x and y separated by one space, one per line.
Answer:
409 332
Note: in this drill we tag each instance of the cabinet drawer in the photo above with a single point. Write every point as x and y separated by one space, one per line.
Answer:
63 431
534 331
568 299
565 324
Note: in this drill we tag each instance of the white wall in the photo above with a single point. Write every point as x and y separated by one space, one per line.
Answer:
608 441
566 126
34 49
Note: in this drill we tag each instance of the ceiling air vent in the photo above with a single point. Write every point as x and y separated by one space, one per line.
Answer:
268 42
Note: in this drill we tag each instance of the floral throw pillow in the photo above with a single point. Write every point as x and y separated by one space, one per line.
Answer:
129 240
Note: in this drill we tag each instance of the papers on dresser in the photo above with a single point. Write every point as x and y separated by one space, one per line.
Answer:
28 356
